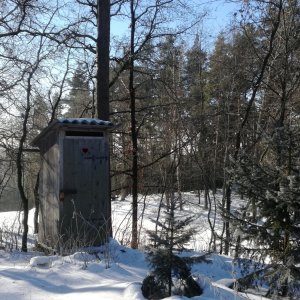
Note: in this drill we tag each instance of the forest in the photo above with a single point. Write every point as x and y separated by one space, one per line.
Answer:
189 115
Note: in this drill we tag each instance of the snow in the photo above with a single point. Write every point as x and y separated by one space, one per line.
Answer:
42 261
110 273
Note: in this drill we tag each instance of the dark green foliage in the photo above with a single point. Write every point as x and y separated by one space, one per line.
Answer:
170 272
178 238
169 269
79 100
161 260
271 217
151 289
191 288
174 232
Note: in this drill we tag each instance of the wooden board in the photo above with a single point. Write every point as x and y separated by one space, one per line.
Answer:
85 189
49 197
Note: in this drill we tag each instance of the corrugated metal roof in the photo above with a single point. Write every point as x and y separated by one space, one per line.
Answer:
84 121
82 124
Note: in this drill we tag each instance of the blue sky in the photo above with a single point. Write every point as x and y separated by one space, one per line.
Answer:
220 13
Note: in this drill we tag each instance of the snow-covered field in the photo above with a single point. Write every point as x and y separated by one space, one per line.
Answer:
112 272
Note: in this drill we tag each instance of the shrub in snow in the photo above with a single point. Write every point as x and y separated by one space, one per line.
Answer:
191 288
170 273
169 269
153 289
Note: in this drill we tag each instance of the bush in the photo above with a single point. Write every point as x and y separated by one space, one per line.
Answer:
191 288
151 289
169 270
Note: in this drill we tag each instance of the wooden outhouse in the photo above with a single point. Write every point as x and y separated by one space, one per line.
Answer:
74 183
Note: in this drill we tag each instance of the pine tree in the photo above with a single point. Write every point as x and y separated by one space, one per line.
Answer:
268 225
273 234
40 117
79 100
168 268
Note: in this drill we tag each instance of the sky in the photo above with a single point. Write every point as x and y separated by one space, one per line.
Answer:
221 12
219 15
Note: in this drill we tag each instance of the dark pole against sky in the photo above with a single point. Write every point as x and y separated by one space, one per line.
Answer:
103 24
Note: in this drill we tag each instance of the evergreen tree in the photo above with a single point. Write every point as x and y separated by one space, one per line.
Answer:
198 120
274 229
168 269
196 67
40 117
79 100
170 92
270 175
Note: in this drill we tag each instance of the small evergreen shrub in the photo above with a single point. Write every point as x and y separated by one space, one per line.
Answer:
169 269
151 289
170 273
191 288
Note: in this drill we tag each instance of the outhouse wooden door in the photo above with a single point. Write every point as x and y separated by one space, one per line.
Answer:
85 188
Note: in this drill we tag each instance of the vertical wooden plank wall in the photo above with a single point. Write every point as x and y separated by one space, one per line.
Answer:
85 173
49 193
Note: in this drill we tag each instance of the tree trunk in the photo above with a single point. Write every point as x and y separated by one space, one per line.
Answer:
37 204
178 180
212 242
102 80
134 150
206 195
103 27
171 245
20 170
227 229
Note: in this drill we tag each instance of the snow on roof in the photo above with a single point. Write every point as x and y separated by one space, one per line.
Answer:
81 124
84 121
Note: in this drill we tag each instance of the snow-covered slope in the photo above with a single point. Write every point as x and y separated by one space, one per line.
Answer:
109 273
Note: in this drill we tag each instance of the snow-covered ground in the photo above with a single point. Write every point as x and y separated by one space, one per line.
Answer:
112 272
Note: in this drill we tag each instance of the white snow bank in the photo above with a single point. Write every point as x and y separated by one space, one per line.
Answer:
82 256
42 261
134 292
227 282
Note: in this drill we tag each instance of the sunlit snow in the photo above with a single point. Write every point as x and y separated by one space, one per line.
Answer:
109 273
